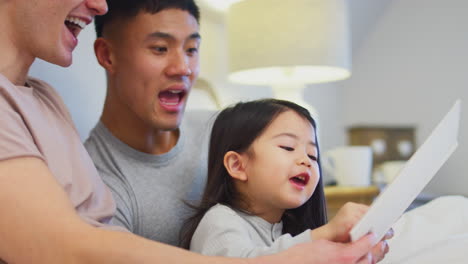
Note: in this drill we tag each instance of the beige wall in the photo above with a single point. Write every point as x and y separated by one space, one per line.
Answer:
410 69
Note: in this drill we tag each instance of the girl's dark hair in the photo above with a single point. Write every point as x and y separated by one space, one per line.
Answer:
235 129
123 9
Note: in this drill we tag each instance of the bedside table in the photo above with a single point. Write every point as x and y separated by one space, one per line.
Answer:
337 196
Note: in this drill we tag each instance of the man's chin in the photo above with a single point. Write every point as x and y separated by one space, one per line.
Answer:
169 126
166 121
63 61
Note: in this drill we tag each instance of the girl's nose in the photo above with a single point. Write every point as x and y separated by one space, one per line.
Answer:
305 160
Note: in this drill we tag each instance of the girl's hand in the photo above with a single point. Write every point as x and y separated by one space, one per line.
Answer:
338 228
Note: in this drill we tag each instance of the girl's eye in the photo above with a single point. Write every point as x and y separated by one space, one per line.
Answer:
312 157
287 148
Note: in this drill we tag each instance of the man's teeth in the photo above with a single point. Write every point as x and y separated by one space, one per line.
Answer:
76 21
175 91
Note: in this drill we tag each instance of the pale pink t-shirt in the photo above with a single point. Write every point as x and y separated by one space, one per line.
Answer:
35 122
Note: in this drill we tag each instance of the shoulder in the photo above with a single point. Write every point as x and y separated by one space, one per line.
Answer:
16 113
102 146
45 89
49 95
5 84
40 84
222 231
221 217
221 210
96 137
107 158
6 89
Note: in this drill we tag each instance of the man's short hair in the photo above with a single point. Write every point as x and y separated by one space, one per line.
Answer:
124 9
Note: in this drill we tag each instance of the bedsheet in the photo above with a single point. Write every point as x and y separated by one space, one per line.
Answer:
436 232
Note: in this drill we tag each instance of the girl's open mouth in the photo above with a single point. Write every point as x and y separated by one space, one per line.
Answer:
300 181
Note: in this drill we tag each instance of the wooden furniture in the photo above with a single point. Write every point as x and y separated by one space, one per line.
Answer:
337 196
388 142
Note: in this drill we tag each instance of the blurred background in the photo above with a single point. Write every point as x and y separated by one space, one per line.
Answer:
408 64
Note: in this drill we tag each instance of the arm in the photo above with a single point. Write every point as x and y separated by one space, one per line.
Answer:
325 252
38 224
29 196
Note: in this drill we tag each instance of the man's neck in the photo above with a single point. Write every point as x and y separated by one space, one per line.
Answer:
146 140
129 129
15 61
13 71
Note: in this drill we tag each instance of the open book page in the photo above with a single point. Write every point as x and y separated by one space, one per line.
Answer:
412 178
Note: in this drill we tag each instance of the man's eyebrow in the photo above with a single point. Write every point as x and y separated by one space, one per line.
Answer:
195 36
164 35
293 136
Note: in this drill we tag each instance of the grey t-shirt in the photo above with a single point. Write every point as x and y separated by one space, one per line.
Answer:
231 233
150 190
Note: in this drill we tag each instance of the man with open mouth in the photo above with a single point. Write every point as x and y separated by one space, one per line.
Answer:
151 155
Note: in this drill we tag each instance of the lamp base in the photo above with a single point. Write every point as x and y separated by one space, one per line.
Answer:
294 93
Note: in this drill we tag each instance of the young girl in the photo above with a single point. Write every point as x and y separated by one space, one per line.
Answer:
264 190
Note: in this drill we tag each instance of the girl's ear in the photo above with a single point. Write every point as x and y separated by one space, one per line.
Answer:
235 165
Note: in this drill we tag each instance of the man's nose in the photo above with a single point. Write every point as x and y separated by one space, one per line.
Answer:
99 7
179 65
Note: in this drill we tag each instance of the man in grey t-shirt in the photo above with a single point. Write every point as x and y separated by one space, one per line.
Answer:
151 159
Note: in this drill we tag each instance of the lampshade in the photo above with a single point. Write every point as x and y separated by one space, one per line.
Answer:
279 41
221 5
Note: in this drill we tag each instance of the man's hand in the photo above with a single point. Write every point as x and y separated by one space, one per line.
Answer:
325 252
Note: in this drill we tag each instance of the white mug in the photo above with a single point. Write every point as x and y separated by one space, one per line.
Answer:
390 169
350 165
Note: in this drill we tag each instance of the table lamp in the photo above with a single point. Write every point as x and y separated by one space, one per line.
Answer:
288 44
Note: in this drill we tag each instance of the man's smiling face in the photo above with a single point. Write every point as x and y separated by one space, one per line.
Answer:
48 29
155 62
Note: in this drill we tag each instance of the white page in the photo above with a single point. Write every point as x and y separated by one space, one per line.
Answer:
412 178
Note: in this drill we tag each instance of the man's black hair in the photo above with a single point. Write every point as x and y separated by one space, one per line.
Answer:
124 9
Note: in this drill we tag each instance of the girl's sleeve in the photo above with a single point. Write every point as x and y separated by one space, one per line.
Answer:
223 233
